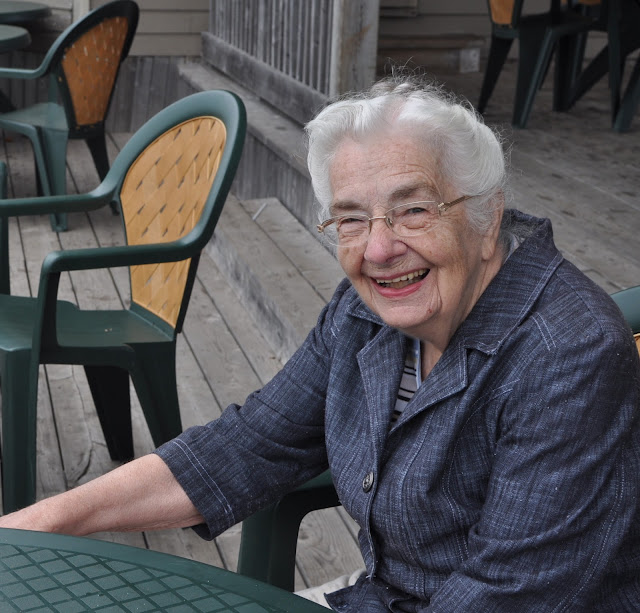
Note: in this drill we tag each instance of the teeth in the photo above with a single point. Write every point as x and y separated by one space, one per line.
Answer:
407 277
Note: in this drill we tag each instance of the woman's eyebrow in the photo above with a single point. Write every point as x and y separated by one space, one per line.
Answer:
343 206
403 193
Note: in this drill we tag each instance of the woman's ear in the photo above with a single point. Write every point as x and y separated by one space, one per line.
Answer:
490 243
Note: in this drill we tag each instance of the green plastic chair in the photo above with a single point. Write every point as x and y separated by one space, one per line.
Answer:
269 537
539 36
171 181
4 235
82 66
629 302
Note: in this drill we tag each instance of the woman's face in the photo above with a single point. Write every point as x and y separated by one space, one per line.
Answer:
451 265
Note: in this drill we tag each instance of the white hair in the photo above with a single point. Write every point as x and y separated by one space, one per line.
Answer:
470 155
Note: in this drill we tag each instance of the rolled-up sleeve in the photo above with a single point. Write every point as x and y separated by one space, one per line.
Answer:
256 452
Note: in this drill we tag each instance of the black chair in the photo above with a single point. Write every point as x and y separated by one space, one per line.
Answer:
620 19
539 36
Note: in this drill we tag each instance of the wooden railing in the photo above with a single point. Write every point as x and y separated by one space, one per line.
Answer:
294 53
292 37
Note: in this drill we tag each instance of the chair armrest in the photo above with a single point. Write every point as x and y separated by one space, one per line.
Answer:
22 73
73 203
114 257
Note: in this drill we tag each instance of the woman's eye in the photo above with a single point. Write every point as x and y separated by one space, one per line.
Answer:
350 221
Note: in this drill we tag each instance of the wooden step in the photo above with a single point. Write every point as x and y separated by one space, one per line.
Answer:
457 53
282 275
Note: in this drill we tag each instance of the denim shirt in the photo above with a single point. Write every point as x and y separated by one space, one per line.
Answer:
510 481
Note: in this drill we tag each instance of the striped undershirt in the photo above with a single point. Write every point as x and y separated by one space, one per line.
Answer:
411 379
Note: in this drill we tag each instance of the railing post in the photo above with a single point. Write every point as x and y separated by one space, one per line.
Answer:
354 44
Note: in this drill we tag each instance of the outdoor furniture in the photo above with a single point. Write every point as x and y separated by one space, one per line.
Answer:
52 572
270 537
171 181
539 36
20 11
82 66
620 19
629 302
13 38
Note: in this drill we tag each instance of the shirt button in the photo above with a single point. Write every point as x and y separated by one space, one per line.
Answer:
367 482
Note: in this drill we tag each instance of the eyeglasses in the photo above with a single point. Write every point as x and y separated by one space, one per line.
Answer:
404 220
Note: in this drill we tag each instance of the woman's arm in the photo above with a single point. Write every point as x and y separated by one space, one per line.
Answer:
140 495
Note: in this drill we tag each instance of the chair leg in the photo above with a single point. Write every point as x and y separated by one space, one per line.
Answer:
54 143
568 64
98 147
630 102
19 400
5 278
497 56
154 377
536 48
5 275
110 390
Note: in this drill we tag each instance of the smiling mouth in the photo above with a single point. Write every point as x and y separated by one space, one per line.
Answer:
404 280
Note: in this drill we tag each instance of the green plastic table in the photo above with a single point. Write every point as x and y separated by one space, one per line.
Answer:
19 11
42 572
13 38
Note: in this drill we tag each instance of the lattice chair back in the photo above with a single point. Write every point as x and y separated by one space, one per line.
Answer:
88 60
163 197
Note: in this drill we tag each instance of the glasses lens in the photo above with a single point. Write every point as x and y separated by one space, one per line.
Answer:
347 231
413 218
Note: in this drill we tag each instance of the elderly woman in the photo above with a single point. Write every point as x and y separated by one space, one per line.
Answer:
474 395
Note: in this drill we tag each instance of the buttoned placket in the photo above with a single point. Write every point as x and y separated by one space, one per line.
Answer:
374 358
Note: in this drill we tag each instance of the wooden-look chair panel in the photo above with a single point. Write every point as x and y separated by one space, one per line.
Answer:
162 199
90 66
501 11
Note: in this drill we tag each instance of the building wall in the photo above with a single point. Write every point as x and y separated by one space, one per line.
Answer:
166 27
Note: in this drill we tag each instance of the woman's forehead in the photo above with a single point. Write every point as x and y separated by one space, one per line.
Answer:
388 170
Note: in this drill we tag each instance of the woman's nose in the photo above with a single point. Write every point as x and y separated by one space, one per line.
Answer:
382 243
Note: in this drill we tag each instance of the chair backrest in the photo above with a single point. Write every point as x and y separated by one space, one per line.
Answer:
162 199
505 13
174 176
86 58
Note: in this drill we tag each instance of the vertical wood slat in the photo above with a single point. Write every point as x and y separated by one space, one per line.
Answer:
291 36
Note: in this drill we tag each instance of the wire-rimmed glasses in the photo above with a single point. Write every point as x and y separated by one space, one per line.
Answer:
405 220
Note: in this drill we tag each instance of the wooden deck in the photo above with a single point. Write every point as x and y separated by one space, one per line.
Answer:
570 167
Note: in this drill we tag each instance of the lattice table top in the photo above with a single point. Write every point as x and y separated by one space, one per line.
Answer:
53 573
